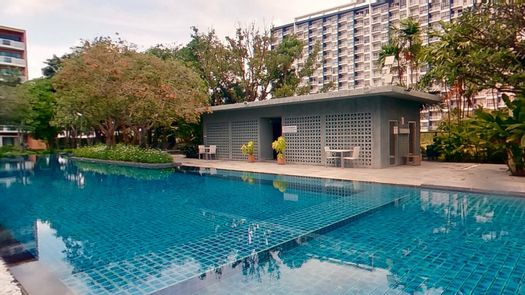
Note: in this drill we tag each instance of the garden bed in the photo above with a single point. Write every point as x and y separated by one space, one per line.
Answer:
123 153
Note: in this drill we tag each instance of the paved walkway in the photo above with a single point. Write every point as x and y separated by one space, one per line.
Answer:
8 286
461 176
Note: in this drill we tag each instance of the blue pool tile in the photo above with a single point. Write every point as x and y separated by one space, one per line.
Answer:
147 231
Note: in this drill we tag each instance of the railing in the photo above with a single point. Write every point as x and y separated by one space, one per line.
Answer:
11 44
8 128
12 61
354 4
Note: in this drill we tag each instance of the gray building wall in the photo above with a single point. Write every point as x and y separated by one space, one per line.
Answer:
339 124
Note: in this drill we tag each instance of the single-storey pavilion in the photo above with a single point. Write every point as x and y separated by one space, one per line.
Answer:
383 122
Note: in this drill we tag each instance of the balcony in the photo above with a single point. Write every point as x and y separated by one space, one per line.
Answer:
6 43
12 61
8 129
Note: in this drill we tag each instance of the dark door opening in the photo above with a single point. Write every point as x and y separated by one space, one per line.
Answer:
277 130
393 131
412 147
269 130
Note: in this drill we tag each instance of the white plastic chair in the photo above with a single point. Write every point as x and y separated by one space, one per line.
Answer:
213 151
329 155
354 156
202 151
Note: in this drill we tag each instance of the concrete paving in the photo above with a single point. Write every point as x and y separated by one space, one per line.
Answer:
8 285
490 178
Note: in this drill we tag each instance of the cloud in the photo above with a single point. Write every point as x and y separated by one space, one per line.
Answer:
30 7
38 54
55 25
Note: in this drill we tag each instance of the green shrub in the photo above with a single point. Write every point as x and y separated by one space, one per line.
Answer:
190 151
460 141
14 151
121 152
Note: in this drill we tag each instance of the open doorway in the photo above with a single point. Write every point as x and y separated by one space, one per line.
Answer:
277 130
412 145
271 129
393 132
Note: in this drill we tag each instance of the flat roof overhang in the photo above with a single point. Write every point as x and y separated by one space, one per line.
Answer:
384 91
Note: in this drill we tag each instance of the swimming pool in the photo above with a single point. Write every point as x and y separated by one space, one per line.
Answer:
104 229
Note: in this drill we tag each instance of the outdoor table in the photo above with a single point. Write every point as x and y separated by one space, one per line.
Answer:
342 152
207 152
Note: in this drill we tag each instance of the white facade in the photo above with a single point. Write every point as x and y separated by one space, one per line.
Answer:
351 37
10 135
13 52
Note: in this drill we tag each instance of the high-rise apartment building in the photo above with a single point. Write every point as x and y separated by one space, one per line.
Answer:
13 52
351 37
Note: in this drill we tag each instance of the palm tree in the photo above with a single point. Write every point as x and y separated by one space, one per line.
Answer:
409 34
391 49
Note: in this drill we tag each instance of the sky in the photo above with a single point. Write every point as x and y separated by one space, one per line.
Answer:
54 26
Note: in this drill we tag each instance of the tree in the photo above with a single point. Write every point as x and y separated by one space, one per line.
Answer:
88 86
485 47
13 109
159 93
246 67
505 129
409 40
391 49
250 50
109 86
39 94
284 76
53 65
262 71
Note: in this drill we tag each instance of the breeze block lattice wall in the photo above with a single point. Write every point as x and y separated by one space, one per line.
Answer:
242 132
345 131
219 134
303 147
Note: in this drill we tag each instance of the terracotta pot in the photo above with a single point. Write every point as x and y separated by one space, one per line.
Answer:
281 161
251 158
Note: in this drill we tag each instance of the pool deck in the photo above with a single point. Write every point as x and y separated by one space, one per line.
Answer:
8 285
488 178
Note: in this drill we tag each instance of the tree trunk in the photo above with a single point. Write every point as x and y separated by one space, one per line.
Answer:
89 138
75 137
109 141
108 128
516 161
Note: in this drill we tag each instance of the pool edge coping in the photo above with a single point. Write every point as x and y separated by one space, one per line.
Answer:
421 185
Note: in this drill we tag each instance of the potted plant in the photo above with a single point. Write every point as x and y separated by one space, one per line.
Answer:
248 149
279 146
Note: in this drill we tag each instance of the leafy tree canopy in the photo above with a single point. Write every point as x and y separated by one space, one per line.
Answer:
40 96
483 49
108 85
245 67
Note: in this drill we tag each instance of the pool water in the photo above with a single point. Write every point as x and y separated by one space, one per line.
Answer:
103 229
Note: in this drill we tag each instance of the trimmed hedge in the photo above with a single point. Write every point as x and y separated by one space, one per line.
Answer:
121 152
13 151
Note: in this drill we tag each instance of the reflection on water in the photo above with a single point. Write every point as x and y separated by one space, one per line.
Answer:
16 170
103 228
435 243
